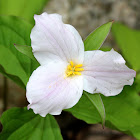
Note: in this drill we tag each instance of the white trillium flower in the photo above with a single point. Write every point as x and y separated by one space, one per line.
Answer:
66 70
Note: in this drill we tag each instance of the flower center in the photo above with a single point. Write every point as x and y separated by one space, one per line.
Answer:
73 69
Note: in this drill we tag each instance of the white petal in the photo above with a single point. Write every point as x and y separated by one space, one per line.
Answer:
49 91
106 72
52 40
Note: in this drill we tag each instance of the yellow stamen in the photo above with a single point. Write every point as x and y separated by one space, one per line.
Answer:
71 63
79 69
70 72
77 73
79 65
69 67
73 69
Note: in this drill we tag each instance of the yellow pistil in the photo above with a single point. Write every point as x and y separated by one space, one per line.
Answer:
73 69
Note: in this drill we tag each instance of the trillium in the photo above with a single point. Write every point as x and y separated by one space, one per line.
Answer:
66 70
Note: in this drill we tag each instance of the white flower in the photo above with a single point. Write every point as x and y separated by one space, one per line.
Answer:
66 70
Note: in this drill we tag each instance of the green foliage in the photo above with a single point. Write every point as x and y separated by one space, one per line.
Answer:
87 106
97 37
13 67
128 41
85 110
12 31
23 124
27 50
96 101
23 8
12 77
122 111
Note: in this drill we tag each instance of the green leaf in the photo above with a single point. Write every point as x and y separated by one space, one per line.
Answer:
129 42
96 100
97 37
23 124
27 50
86 109
16 79
23 8
122 111
105 48
12 31
13 67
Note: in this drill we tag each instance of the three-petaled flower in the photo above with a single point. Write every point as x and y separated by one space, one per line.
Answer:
66 70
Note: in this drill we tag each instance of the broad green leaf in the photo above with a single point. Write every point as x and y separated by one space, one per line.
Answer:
105 48
23 124
86 108
96 101
97 37
23 8
27 50
122 111
12 31
16 79
128 41
13 67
